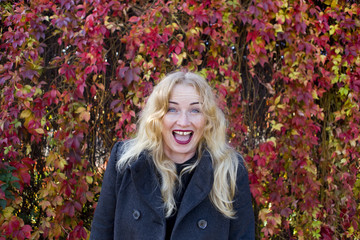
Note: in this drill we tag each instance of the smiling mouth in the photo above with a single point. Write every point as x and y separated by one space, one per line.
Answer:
182 137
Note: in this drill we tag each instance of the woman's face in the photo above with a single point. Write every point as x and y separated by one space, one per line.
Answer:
183 124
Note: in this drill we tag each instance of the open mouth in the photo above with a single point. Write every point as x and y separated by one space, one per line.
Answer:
182 137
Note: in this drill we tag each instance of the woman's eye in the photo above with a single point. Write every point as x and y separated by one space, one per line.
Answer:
171 110
195 110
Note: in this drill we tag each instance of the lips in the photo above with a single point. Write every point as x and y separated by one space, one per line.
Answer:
182 136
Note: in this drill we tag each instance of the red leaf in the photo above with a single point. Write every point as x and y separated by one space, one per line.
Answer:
121 71
24 175
134 19
4 78
69 209
67 190
174 58
25 232
79 231
262 161
129 77
93 90
252 36
222 89
116 86
14 224
77 205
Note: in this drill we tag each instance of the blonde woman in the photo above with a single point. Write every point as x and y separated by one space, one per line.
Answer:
178 178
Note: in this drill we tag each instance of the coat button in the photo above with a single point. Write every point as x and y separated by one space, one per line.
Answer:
136 214
202 224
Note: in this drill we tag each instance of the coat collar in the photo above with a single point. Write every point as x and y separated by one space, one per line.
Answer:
146 183
199 187
144 177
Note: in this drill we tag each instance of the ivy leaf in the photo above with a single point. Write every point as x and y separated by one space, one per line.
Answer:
85 116
134 19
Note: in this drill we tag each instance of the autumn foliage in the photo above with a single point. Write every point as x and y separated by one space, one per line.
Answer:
74 75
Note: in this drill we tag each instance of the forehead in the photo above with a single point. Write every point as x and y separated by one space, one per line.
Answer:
184 93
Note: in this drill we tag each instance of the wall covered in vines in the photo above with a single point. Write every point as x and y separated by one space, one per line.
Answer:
75 74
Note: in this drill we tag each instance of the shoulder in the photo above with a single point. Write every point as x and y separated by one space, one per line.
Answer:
126 153
118 149
241 162
116 153
242 172
242 195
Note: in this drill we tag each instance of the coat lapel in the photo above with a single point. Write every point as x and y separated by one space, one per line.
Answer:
199 187
146 184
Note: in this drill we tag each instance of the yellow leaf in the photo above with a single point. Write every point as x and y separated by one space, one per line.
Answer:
8 212
43 121
280 18
85 116
334 4
62 175
273 140
350 232
57 230
38 91
46 224
58 200
294 132
332 29
80 110
277 126
322 59
135 100
314 94
28 149
278 28
277 218
50 159
277 100
139 58
25 114
39 131
60 164
281 106
353 142
263 214
214 54
89 179
142 48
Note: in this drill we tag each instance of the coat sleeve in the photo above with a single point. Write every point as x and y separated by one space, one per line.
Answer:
243 226
103 223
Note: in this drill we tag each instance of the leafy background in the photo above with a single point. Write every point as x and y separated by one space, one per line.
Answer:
74 74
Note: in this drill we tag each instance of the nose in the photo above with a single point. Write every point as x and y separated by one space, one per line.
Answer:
183 120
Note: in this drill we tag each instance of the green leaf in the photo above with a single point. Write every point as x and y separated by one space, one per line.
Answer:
2 203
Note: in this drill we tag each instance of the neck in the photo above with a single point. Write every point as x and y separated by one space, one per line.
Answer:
179 158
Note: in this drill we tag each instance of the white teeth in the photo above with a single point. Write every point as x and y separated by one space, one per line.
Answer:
182 133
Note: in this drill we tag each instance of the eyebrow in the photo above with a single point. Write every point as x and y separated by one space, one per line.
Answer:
193 103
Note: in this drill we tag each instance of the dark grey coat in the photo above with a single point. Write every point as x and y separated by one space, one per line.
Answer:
130 205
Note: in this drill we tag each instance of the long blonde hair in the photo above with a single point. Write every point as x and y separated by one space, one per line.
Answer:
148 137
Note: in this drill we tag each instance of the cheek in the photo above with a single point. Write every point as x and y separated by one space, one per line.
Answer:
200 123
166 124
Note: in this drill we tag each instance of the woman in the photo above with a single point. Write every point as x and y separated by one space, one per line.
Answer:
178 178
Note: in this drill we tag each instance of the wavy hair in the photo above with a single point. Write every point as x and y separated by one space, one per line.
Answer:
149 138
